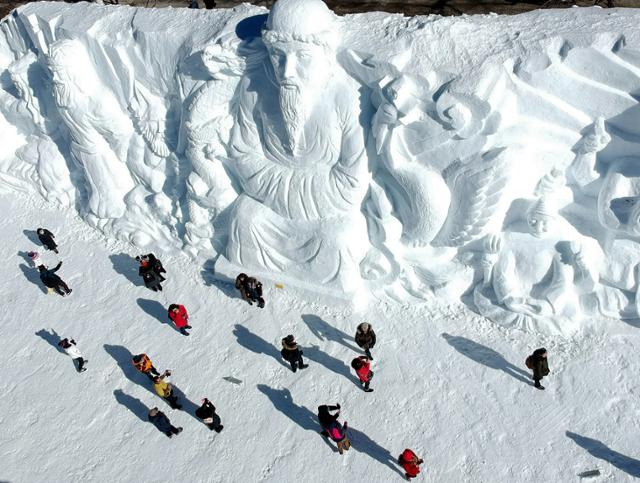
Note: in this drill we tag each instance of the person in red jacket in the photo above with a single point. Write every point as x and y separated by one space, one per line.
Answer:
178 314
410 463
362 367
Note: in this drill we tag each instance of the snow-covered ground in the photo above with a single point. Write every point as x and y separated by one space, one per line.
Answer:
448 383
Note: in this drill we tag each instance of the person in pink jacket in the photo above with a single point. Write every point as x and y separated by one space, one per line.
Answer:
180 318
363 370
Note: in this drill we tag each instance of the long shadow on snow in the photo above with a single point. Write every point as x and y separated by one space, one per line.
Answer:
210 280
32 235
599 450
364 444
322 330
126 265
255 343
314 354
155 310
283 402
33 276
51 337
486 356
132 404
188 406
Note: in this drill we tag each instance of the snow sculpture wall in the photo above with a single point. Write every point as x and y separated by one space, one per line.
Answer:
475 157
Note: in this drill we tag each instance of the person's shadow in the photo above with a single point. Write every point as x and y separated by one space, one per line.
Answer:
255 343
33 276
127 266
283 402
210 280
155 310
314 354
599 450
51 337
324 331
486 356
188 406
32 235
132 404
364 444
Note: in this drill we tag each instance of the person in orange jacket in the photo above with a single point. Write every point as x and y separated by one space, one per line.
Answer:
362 367
143 364
178 314
410 463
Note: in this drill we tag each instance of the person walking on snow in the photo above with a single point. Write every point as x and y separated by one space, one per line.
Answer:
410 463
250 289
143 364
365 338
69 346
292 354
161 421
165 390
180 318
363 370
51 280
332 428
207 412
539 364
47 239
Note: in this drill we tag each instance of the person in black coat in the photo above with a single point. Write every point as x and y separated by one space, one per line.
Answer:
292 353
150 277
366 338
156 266
161 421
326 419
207 412
540 365
250 289
51 280
46 238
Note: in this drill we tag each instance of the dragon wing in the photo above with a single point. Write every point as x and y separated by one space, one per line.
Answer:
476 185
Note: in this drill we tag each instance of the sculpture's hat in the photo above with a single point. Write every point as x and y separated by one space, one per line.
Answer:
542 207
302 21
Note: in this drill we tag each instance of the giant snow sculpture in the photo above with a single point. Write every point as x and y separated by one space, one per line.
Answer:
370 155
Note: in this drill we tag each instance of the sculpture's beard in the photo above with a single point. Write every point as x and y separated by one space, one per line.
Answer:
292 107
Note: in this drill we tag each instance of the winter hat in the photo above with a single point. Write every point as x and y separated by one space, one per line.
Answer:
289 339
33 255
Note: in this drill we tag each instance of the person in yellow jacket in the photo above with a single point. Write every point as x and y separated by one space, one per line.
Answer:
165 390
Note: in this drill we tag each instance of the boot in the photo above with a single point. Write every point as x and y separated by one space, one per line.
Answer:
219 428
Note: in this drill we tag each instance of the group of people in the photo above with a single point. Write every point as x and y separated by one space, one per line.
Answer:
48 276
206 412
152 270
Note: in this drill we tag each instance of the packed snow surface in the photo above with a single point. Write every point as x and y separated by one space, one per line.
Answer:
468 185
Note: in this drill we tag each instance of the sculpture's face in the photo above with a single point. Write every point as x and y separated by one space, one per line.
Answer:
539 224
298 64
299 69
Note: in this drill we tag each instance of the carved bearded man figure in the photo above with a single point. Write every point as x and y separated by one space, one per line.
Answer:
297 151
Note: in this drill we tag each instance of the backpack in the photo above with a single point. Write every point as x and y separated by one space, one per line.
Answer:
529 362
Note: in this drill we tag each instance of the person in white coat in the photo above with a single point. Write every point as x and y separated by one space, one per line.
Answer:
69 346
